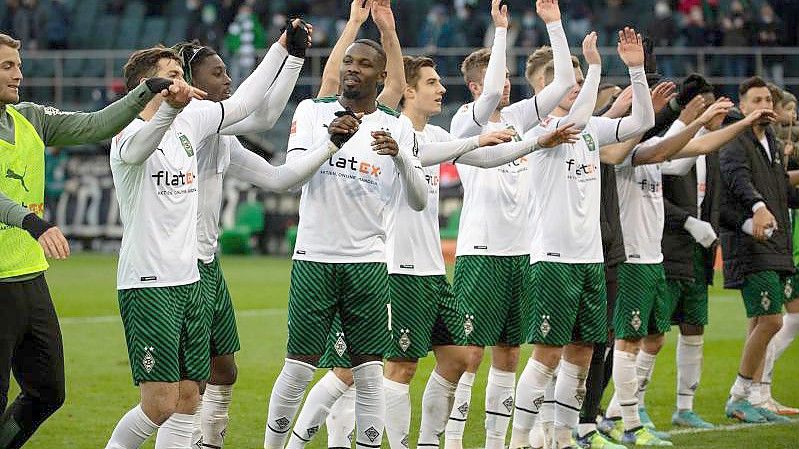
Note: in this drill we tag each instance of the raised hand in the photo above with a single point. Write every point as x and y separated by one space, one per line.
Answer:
359 10
297 37
630 47
384 144
590 51
499 14
179 94
716 112
383 16
662 95
548 10
692 110
761 117
496 137
565 134
621 106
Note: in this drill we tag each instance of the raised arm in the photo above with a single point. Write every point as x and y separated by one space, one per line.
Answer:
714 140
359 12
583 107
433 153
489 157
395 69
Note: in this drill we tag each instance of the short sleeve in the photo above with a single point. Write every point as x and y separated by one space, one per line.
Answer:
302 127
606 129
205 117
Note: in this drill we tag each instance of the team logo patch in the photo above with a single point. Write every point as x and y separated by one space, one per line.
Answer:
579 397
545 326
282 423
765 301
312 431
198 444
464 409
508 403
405 339
148 361
788 289
340 346
635 322
468 325
589 141
184 141
404 441
372 434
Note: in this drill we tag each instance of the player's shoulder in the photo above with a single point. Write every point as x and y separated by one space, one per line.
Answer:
465 109
387 110
436 133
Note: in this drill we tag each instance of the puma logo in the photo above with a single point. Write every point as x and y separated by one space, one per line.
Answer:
10 174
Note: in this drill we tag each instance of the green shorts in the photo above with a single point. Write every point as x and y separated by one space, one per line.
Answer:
167 332
358 292
568 303
336 354
792 287
490 290
764 293
688 300
424 313
224 334
642 305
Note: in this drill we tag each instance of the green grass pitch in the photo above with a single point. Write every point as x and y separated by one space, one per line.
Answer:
99 389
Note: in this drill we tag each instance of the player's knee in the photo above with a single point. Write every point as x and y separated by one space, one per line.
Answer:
401 371
505 358
224 372
474 358
159 404
344 375
188 397
769 324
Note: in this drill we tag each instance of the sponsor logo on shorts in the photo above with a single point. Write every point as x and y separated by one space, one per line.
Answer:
340 346
545 326
405 339
635 321
480 247
765 301
468 325
407 267
148 278
148 361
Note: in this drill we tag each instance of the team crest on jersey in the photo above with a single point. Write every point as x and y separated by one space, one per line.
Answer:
589 141
468 325
148 361
635 322
545 326
765 301
340 346
405 339
184 141
788 289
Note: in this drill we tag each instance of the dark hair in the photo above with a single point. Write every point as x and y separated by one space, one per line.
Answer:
413 65
377 47
192 54
751 83
144 64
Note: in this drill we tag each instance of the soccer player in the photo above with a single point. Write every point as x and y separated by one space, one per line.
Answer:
31 337
345 271
493 244
756 241
222 155
565 281
166 319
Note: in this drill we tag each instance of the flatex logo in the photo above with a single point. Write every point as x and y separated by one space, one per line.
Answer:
166 178
579 171
363 168
649 186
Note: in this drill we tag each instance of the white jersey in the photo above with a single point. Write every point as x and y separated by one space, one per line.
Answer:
566 195
495 216
213 160
641 210
158 202
414 242
344 205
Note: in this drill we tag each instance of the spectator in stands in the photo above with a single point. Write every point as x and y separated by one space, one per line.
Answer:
154 7
27 23
8 18
245 35
663 32
56 25
612 19
473 24
736 26
769 30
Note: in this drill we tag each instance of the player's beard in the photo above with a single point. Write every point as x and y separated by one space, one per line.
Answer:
351 94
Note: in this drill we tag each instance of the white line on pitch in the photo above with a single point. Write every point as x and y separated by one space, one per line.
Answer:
116 318
726 428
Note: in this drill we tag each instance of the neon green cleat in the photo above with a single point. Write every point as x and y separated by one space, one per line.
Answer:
646 421
596 440
612 428
644 437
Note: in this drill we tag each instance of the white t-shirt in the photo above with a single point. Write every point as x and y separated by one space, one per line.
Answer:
641 210
344 206
496 207
414 241
158 202
565 192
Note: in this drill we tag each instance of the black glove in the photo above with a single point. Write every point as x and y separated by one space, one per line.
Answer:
692 86
156 85
296 38
340 139
35 225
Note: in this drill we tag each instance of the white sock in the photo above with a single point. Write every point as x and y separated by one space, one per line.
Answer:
499 405
370 404
741 388
614 409
569 396
197 426
341 420
644 368
584 429
537 436
689 369
755 396
547 414
529 398
175 432
315 409
287 393
437 402
460 412
779 343
398 413
132 430
215 406
626 382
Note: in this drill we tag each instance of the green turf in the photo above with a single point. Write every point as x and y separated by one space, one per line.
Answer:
100 390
